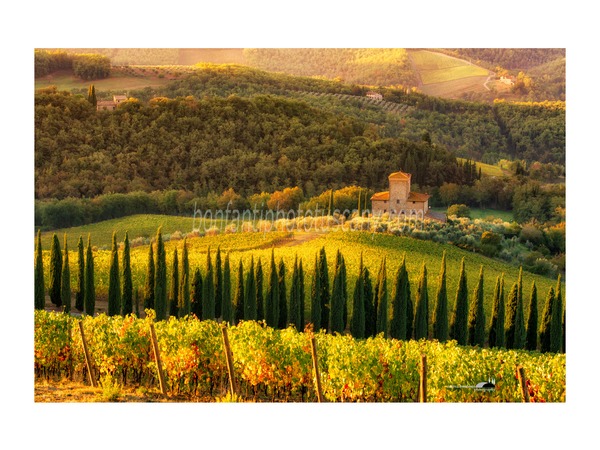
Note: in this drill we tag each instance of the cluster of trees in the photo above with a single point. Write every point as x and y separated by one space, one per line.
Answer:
528 199
534 131
376 308
87 66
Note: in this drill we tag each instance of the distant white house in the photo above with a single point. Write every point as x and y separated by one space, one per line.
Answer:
507 80
375 95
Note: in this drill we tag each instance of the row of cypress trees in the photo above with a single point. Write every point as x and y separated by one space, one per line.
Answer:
59 286
374 309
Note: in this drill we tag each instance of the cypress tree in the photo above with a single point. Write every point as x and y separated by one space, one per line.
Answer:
196 300
89 298
344 294
114 283
399 304
227 307
520 285
496 336
160 279
357 322
336 316
545 325
260 301
80 276
556 320
301 294
174 287
422 312
218 283
149 288
40 291
55 271
376 301
239 295
127 279
92 95
459 327
477 314
564 339
410 309
283 307
511 316
324 285
65 290
532 320
185 307
272 303
440 321
315 297
520 331
382 300
370 316
250 291
208 296
294 312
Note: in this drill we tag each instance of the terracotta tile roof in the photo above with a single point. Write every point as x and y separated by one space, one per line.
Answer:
399 176
417 197
381 196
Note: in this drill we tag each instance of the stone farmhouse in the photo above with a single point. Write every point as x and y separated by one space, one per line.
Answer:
110 105
400 201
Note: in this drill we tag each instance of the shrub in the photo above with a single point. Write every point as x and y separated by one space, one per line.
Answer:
459 210
531 233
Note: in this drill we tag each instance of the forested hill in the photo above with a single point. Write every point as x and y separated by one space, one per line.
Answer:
529 131
224 120
262 143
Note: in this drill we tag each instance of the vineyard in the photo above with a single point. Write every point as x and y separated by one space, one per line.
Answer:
275 365
400 109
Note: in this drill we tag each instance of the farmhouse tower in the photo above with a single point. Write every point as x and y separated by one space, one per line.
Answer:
400 201
399 186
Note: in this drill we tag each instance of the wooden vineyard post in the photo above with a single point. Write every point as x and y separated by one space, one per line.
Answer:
423 380
88 359
229 358
313 344
523 384
161 378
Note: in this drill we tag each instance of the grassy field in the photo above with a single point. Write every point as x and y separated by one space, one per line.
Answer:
436 67
488 170
119 81
139 225
373 247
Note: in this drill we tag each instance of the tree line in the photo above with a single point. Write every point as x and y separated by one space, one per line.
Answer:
87 66
378 306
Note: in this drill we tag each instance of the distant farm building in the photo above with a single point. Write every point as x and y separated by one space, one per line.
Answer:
374 95
509 81
110 105
400 201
